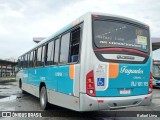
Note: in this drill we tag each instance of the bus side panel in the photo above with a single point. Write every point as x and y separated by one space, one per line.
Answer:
19 75
51 81
68 79
30 86
40 76
25 75
31 75
76 80
67 92
63 79
63 100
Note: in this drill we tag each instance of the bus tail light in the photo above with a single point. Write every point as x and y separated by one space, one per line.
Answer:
150 84
90 86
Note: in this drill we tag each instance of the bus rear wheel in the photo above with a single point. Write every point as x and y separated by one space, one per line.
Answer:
43 98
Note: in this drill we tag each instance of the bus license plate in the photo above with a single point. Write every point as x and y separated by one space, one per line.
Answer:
125 91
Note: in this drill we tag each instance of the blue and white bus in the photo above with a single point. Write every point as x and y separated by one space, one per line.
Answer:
97 62
156 73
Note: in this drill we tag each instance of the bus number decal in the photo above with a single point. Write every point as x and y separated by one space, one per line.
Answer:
139 84
58 74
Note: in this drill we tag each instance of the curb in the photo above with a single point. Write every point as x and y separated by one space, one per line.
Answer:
9 80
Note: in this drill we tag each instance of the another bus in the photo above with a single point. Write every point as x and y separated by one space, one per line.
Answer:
97 62
156 73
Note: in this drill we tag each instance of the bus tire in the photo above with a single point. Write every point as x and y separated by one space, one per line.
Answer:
43 98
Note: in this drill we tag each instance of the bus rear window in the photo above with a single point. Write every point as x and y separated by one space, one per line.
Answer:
120 34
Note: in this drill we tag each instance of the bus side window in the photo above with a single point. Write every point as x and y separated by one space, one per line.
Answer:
28 60
39 55
34 58
56 57
24 61
50 53
31 59
21 64
74 45
43 56
64 52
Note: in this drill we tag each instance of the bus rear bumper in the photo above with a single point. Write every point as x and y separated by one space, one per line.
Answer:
89 103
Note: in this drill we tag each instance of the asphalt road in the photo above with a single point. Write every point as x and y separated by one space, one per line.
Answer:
11 99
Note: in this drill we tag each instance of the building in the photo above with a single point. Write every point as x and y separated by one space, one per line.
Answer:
7 68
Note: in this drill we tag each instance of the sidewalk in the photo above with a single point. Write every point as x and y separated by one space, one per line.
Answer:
7 79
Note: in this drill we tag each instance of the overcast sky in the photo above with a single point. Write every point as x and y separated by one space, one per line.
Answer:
21 20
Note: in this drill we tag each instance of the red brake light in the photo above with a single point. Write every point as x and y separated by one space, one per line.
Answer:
150 75
150 84
90 87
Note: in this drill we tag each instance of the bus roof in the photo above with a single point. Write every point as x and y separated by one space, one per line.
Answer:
118 16
73 23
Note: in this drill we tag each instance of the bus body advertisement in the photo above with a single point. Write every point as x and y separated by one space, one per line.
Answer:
97 62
